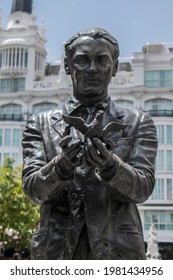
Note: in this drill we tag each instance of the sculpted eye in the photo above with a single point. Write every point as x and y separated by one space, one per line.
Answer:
81 59
102 59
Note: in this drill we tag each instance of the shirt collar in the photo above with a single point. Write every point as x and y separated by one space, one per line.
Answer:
72 104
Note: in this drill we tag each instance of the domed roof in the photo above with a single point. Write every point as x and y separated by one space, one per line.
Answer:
15 41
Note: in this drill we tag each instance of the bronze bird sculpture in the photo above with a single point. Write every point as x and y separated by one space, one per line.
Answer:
95 128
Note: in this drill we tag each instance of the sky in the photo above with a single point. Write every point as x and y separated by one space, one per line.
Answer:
133 22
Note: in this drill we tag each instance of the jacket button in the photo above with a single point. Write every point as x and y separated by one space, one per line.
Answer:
78 202
73 195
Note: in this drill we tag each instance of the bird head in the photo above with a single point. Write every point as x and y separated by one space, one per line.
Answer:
99 115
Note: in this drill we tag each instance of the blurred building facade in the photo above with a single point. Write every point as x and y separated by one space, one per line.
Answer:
28 85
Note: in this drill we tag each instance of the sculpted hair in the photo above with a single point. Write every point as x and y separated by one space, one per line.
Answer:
94 32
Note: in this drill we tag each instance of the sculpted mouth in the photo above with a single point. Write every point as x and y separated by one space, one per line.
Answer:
92 80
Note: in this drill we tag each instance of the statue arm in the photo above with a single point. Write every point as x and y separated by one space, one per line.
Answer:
40 180
134 180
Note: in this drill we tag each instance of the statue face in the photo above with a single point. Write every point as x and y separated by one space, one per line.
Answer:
91 67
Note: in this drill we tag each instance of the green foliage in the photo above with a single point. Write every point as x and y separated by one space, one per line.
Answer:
47 69
18 217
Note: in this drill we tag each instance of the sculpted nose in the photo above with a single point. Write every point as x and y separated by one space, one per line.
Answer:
93 67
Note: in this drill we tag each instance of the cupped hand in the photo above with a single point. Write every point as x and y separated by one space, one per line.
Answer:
99 152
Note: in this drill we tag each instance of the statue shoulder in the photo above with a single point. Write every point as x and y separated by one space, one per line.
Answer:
53 114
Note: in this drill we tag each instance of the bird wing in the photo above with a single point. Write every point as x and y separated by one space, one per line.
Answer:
76 122
113 126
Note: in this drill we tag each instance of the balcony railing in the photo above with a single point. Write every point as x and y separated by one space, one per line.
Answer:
160 113
12 117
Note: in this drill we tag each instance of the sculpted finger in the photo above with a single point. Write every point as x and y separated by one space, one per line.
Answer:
105 154
72 146
94 154
109 143
77 161
88 157
100 146
64 141
74 153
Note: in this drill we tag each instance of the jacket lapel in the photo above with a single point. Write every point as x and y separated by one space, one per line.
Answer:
116 114
57 123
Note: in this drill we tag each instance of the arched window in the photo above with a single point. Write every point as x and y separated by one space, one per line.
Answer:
10 109
11 112
159 107
42 107
125 103
158 104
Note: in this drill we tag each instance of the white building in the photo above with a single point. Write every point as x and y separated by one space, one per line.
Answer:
145 82
153 79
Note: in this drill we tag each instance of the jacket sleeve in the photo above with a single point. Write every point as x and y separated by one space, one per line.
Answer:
134 179
40 181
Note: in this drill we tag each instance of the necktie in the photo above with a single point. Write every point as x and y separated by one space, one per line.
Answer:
91 112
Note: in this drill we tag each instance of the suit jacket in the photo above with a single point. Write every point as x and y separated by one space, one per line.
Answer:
107 207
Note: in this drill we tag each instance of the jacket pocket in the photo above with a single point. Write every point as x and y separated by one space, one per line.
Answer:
39 244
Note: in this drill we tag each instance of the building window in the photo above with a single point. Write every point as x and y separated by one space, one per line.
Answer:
158 104
43 107
9 59
158 193
1 59
160 133
26 59
16 137
11 112
160 160
125 103
10 109
1 137
7 137
15 156
169 189
169 133
170 221
163 220
13 51
38 61
14 58
17 57
164 134
12 85
169 160
158 78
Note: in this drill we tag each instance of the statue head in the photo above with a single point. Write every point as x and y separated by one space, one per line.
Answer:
91 58
95 33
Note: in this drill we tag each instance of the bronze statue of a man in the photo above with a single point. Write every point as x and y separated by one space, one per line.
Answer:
87 175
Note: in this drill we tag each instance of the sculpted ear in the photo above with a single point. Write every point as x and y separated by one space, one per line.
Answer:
115 69
66 67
